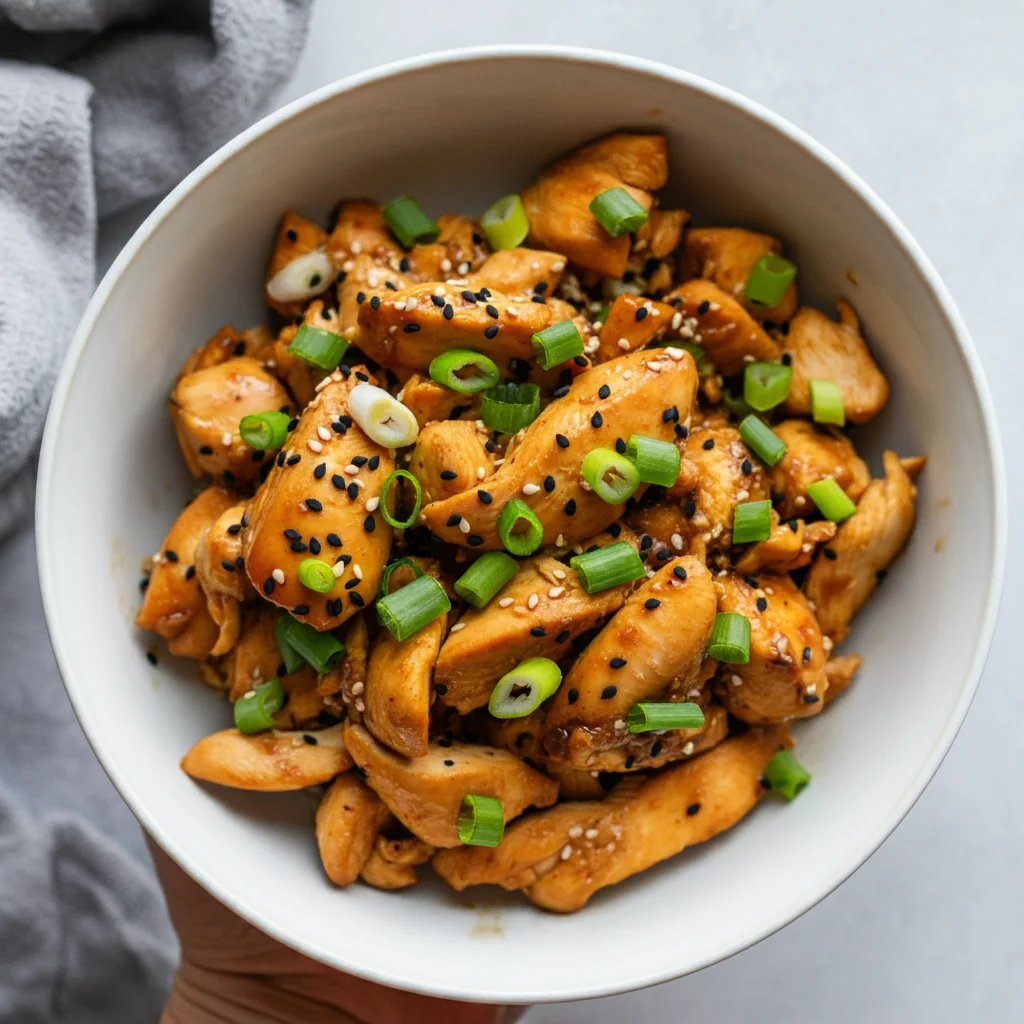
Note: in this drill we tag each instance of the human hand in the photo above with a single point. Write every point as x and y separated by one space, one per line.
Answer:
232 973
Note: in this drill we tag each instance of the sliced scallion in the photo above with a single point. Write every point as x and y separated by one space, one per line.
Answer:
786 775
408 609
302 278
511 406
264 431
382 418
751 522
389 571
736 404
656 461
557 344
318 347
645 717
730 638
389 518
293 661
762 440
607 567
832 501
464 371
768 280
409 222
827 402
617 211
520 692
317 575
505 222
612 477
481 820
255 711
519 528
766 385
485 577
321 650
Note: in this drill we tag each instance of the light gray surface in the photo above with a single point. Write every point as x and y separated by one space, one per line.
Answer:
923 99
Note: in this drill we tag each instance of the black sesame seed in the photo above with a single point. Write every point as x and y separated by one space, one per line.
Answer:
564 377
268 586
375 302
708 444
664 555
313 505
320 470
580 360
314 546
670 415
475 540
561 440
441 689
679 572
641 313
807 655
228 565
787 359
334 606
403 264
682 431
280 458
309 740
830 554
560 392
340 276
746 467
485 497
655 748
492 311
539 299
620 446
294 460
596 420
352 491
540 287
762 604
811 698
301 609
374 462
765 784
793 525
703 307
360 297
344 559
562 637
629 762
297 545
646 541
603 391
339 481
369 524
615 529
490 445
334 540
617 662
437 300
362 376
469 296
151 657
190 572
651 603
357 599
411 328
454 519
448 312
484 293
491 331
608 692
448 474
573 695
751 581
691 509
449 762
352 583
345 420
292 235
692 809
538 631
549 484
171 556
205 449
570 507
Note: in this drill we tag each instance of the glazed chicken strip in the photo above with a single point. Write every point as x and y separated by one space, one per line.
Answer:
519 272
314 504
813 453
350 670
430 402
271 762
300 376
425 793
558 202
537 614
845 572
460 249
206 407
727 256
632 323
718 322
218 556
450 457
785 677
645 395
174 605
659 235
348 821
366 283
653 644
822 349
840 670
359 229
684 805
791 546
296 238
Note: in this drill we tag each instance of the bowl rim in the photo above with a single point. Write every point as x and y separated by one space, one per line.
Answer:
873 839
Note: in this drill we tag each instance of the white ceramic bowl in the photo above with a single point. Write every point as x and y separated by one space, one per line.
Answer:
458 129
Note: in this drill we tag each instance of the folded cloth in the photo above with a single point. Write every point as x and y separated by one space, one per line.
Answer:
103 103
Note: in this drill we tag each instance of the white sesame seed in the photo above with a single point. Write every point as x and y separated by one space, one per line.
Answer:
532 601
356 248
226 439
591 833
357 571
811 687
393 329
627 374
623 343
464 525
826 642
688 749
799 500
439 289
506 601
351 470
371 505
748 358
575 832
323 433
769 591
560 541
805 548
457 627
620 724
677 319
278 575
464 267
674 353
578 548
357 688
695 692
360 706
512 312
314 445
677 542
558 574
530 488
446 265
348 266
566 851
339 569
480 472
556 592
735 680
558 266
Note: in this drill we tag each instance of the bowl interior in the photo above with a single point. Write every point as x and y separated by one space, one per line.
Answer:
457 134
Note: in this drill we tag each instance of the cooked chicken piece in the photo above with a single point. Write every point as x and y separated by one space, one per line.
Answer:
913 465
684 805
450 457
366 282
494 639
822 349
844 573
840 670
174 605
425 793
227 614
408 850
226 343
558 202
727 256
719 323
296 238
304 707
785 677
218 557
651 649
657 524
300 376
205 407
360 230
813 453
791 546
645 396
519 272
303 511
429 401
348 821
271 762
423 329
660 235
398 679
382 874
717 472
632 323
350 670
460 249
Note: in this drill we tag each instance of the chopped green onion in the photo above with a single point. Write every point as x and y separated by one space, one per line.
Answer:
485 577
321 650
617 211
317 575
520 692
752 521
317 346
510 406
762 440
646 717
656 461
409 222
705 368
255 711
402 563
505 222
786 775
516 539
768 280
405 524
736 404
481 820
557 343
293 661
766 385
382 418
612 477
410 608
607 567
464 371
827 402
832 501
265 431
730 638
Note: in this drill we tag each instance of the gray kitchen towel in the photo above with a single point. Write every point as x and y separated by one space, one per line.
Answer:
103 103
